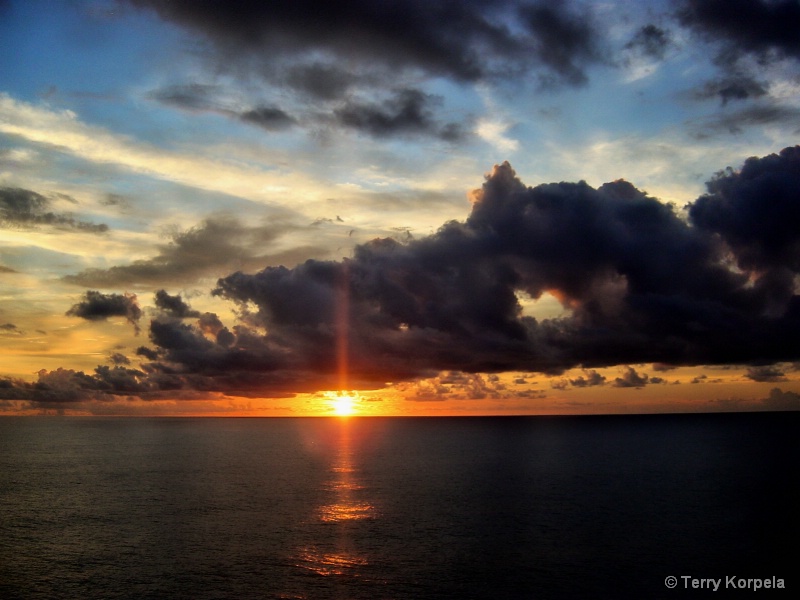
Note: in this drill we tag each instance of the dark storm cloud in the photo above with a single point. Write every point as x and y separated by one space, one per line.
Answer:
747 37
217 245
465 41
337 59
640 284
562 41
25 208
97 306
409 111
765 29
320 81
756 211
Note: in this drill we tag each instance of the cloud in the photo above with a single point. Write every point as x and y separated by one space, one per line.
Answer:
62 129
197 97
766 374
765 29
25 208
408 112
640 283
494 132
780 400
756 211
650 41
462 41
118 358
727 89
97 306
61 387
631 379
218 244
777 400
735 122
174 305
565 42
270 118
756 48
10 329
320 81
192 96
589 378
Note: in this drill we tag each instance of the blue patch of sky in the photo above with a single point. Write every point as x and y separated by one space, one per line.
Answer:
62 45
84 57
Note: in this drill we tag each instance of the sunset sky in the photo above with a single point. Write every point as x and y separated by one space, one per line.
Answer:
431 208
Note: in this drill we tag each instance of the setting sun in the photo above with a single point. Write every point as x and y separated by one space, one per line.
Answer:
343 405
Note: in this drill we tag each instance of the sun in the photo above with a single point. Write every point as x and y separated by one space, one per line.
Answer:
343 405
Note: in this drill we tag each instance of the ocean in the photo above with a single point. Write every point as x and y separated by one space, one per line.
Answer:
399 508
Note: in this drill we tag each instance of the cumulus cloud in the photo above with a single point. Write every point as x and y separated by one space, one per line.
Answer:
630 378
174 305
755 211
639 281
26 208
96 306
589 378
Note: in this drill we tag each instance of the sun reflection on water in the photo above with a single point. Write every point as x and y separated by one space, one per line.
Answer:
345 485
327 564
334 553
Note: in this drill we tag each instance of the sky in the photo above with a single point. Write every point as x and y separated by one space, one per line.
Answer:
406 208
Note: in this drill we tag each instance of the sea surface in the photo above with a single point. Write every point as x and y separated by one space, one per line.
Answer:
397 508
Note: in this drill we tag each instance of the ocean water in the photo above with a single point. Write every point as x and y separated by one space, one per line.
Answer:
397 508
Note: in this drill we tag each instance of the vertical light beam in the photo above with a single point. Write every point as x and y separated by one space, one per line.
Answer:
343 327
